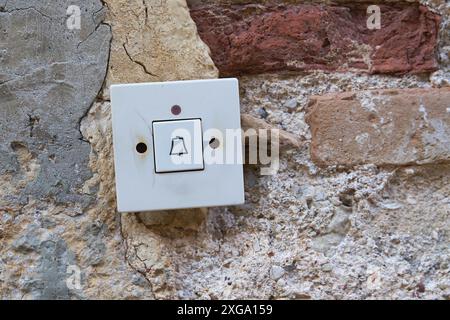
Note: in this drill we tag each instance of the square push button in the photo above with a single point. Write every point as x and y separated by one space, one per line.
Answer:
178 145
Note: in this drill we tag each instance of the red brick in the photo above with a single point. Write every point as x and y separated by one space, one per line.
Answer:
385 127
257 38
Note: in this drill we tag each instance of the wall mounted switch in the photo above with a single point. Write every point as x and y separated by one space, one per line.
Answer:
177 145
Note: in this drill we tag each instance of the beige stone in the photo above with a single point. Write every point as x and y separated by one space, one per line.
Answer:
386 127
287 140
155 40
187 219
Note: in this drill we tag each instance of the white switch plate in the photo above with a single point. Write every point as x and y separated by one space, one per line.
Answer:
137 109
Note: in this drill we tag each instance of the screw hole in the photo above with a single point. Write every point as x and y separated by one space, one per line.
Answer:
214 143
141 147
176 110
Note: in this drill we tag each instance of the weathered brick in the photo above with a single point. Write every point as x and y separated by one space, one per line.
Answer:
386 127
257 38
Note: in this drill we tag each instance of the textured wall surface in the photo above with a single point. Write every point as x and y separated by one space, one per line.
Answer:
392 127
257 38
359 209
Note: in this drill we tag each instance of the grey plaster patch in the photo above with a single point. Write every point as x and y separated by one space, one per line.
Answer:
47 277
8 163
55 259
96 248
49 78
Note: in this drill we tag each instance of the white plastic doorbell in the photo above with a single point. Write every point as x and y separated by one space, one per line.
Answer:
177 145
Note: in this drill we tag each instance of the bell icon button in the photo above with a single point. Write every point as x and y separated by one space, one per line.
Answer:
178 145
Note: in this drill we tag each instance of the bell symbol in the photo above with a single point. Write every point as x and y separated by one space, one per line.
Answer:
178 147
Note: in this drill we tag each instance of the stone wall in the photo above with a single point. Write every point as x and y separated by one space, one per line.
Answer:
359 209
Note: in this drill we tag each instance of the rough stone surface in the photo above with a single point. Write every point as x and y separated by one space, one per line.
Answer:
394 127
257 38
155 40
50 76
442 77
304 233
252 126
321 227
